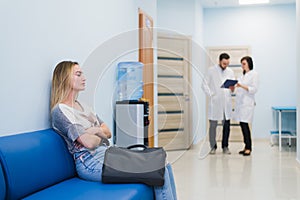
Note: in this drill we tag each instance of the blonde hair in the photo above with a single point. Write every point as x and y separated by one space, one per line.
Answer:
61 82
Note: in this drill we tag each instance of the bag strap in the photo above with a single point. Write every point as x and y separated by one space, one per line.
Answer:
136 146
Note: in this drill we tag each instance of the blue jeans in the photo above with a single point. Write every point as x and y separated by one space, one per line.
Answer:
89 167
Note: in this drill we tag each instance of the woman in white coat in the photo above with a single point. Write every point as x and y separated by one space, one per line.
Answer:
245 101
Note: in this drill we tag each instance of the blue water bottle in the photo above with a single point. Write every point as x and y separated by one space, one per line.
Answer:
130 80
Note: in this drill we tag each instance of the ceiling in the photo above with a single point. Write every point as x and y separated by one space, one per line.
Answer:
235 3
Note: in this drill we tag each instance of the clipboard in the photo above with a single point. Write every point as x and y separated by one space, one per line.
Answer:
228 83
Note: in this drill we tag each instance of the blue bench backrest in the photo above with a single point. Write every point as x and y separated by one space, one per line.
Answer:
2 184
33 161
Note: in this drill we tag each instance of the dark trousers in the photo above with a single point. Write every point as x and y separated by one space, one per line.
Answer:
247 135
212 133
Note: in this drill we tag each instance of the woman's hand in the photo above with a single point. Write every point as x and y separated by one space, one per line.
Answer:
105 130
242 86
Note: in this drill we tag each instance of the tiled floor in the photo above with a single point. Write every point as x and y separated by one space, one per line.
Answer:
266 175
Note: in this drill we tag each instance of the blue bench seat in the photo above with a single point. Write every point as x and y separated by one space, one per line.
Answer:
38 166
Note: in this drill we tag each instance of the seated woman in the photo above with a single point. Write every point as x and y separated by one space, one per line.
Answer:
84 132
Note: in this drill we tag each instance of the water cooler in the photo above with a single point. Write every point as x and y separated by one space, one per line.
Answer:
132 120
131 114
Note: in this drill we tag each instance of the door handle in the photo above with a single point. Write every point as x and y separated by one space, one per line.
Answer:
186 97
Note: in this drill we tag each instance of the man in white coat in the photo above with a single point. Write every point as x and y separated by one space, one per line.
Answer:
220 103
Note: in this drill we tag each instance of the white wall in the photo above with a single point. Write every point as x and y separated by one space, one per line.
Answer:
298 80
176 15
102 63
271 33
36 35
198 61
186 17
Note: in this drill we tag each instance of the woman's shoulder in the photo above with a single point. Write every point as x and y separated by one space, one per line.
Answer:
62 109
63 112
59 107
254 73
55 109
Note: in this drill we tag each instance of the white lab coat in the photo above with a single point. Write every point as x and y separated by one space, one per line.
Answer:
219 99
245 100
